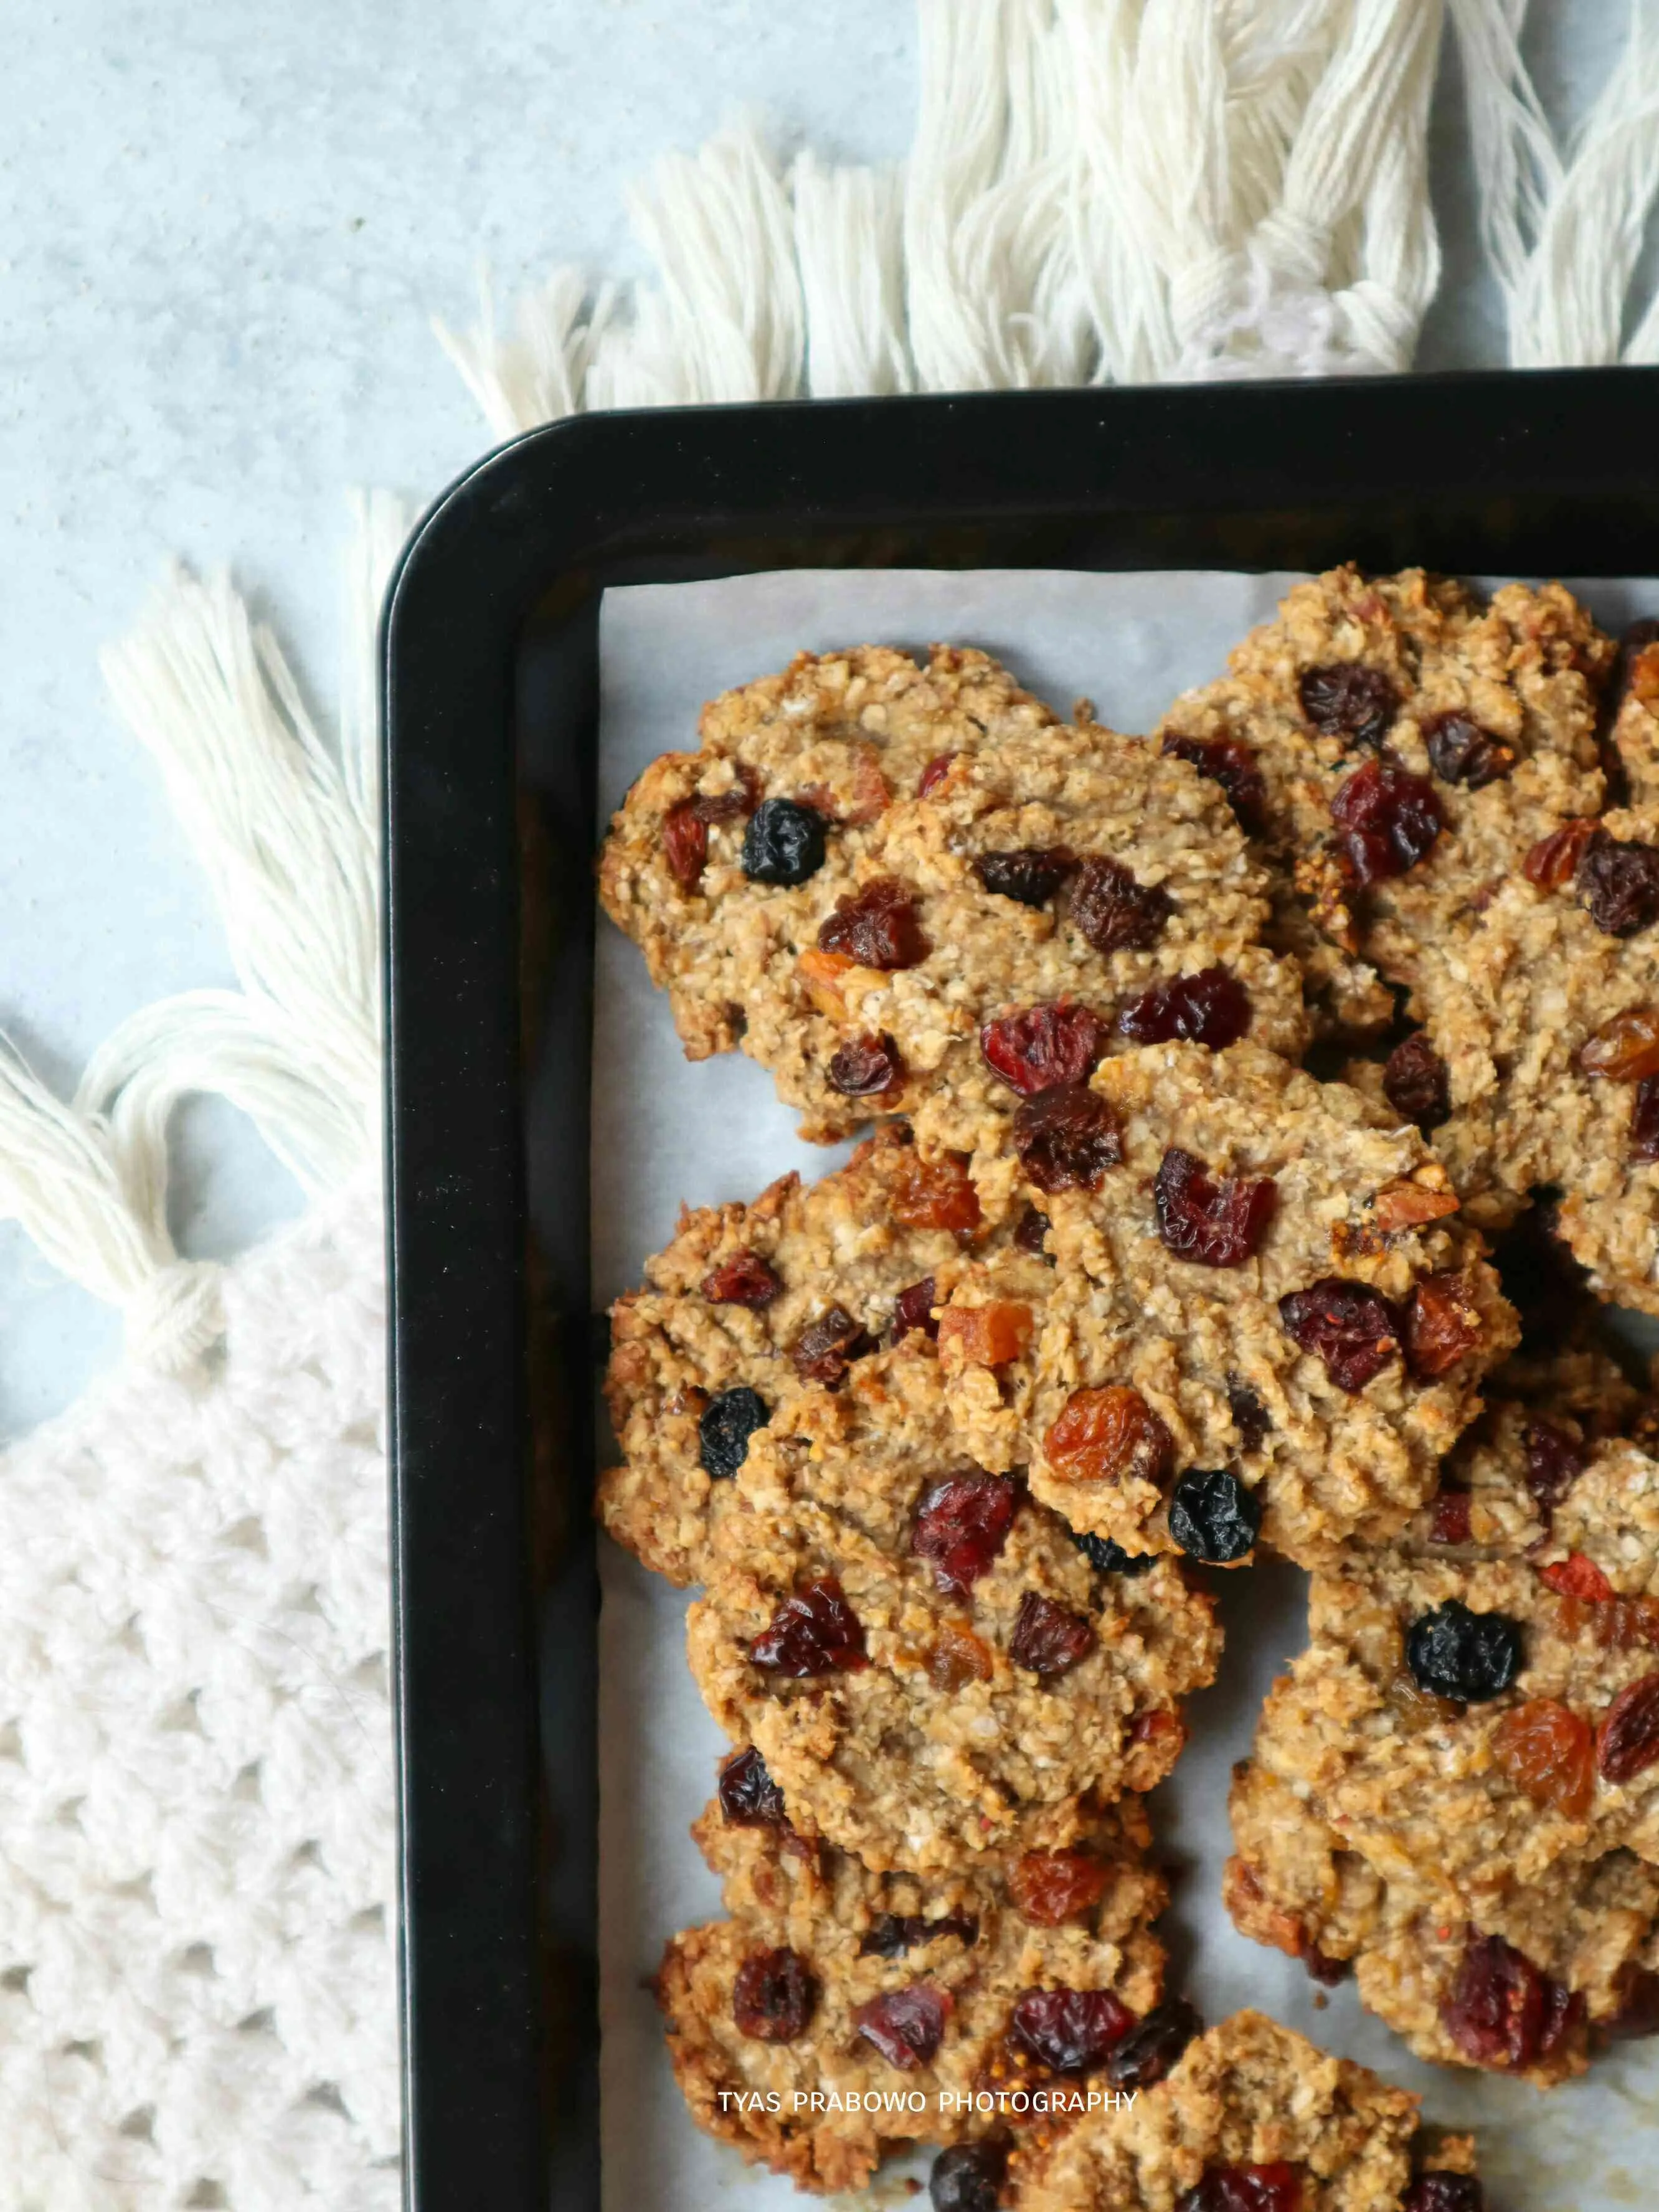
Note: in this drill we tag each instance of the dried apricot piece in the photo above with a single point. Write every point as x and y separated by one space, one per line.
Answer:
985 1336
1408 1205
822 975
934 1193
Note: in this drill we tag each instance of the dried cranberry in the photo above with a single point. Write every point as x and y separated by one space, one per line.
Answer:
749 1797
1067 1139
1151 2047
934 774
728 1421
1213 1517
968 2178
962 1524
1555 1460
1275 2188
1211 1007
878 927
1444 2193
1469 1657
1501 2012
1232 765
1637 2016
1552 862
1644 1120
1461 751
1116 913
827 1348
1048 1639
813 1632
773 1996
1579 1577
1068 2031
1032 874
1416 1084
1249 1414
1629 1742
1030 1229
1387 820
1618 881
1345 699
1355 1330
744 1280
784 842
1452 1516
685 845
1442 1324
867 1067
1043 1047
1215 1222
1107 1557
906 2026
913 1309
890 1934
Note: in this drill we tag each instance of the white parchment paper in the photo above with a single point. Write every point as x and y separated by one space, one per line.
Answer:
673 1133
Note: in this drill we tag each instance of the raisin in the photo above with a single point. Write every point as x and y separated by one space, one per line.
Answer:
1249 1415
1326 1971
962 1524
749 1797
1442 1323
1552 862
1626 1624
891 1934
1048 1639
1555 1460
773 1996
906 2026
968 2178
1452 1516
1416 1084
878 927
827 1348
1501 2012
990 1335
1625 1048
1232 765
784 842
1461 751
728 1421
1637 2016
728 806
1067 1140
1345 699
934 774
1549 1752
1577 1576
1044 1047
1116 913
1629 1741
913 1309
1068 2031
1151 2047
1031 875
1618 882
1275 2188
685 845
1471 1657
867 1067
744 1280
1211 1007
1215 1222
957 1657
934 1194
1050 1887
813 1632
1644 1120
1030 1229
1387 820
1107 1557
1355 1330
1108 1435
1213 1517
1444 2193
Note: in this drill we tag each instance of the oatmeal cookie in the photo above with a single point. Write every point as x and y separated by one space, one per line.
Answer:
1250 2114
1266 1309
934 1669
951 949
830 1980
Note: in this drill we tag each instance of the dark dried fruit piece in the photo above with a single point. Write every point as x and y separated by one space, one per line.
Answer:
1041 1048
1618 882
1213 1517
1444 2193
1213 1221
1116 913
1501 2012
1275 2188
1450 1524
1107 1557
1471 1657
813 1632
773 1996
1644 1120
749 1797
1625 1048
1232 765
867 1067
913 1309
879 926
1629 1742
1387 821
744 1280
784 842
1355 1330
1067 1139
962 1524
1032 874
1051 1887
968 2178
1347 699
1108 1435
1555 1460
1151 2047
1068 2031
1249 1415
890 1934
1442 1324
1552 862
729 805
1211 1007
1048 1639
1461 751
906 2026
1548 1751
1416 1083
1637 2016
685 844
728 1421
934 1193
827 1348
1030 1229
934 774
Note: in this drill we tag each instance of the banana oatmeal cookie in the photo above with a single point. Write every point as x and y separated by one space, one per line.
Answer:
1253 2118
893 1999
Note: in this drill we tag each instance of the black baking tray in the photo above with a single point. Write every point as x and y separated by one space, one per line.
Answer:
489 686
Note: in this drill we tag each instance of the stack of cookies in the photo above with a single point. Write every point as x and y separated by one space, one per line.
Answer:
1257 1115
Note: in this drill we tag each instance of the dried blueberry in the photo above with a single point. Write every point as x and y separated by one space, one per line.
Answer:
968 2178
1345 699
1213 1517
783 843
728 1421
1471 1657
1107 1557
1152 2046
1031 875
1029 1231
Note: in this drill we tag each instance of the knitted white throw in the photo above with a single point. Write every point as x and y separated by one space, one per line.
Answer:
196 1870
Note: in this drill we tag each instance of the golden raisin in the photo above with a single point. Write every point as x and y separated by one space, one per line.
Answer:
1049 1887
1554 860
1416 1708
934 1193
1549 1752
1108 1435
1625 1048
957 1657
985 1336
